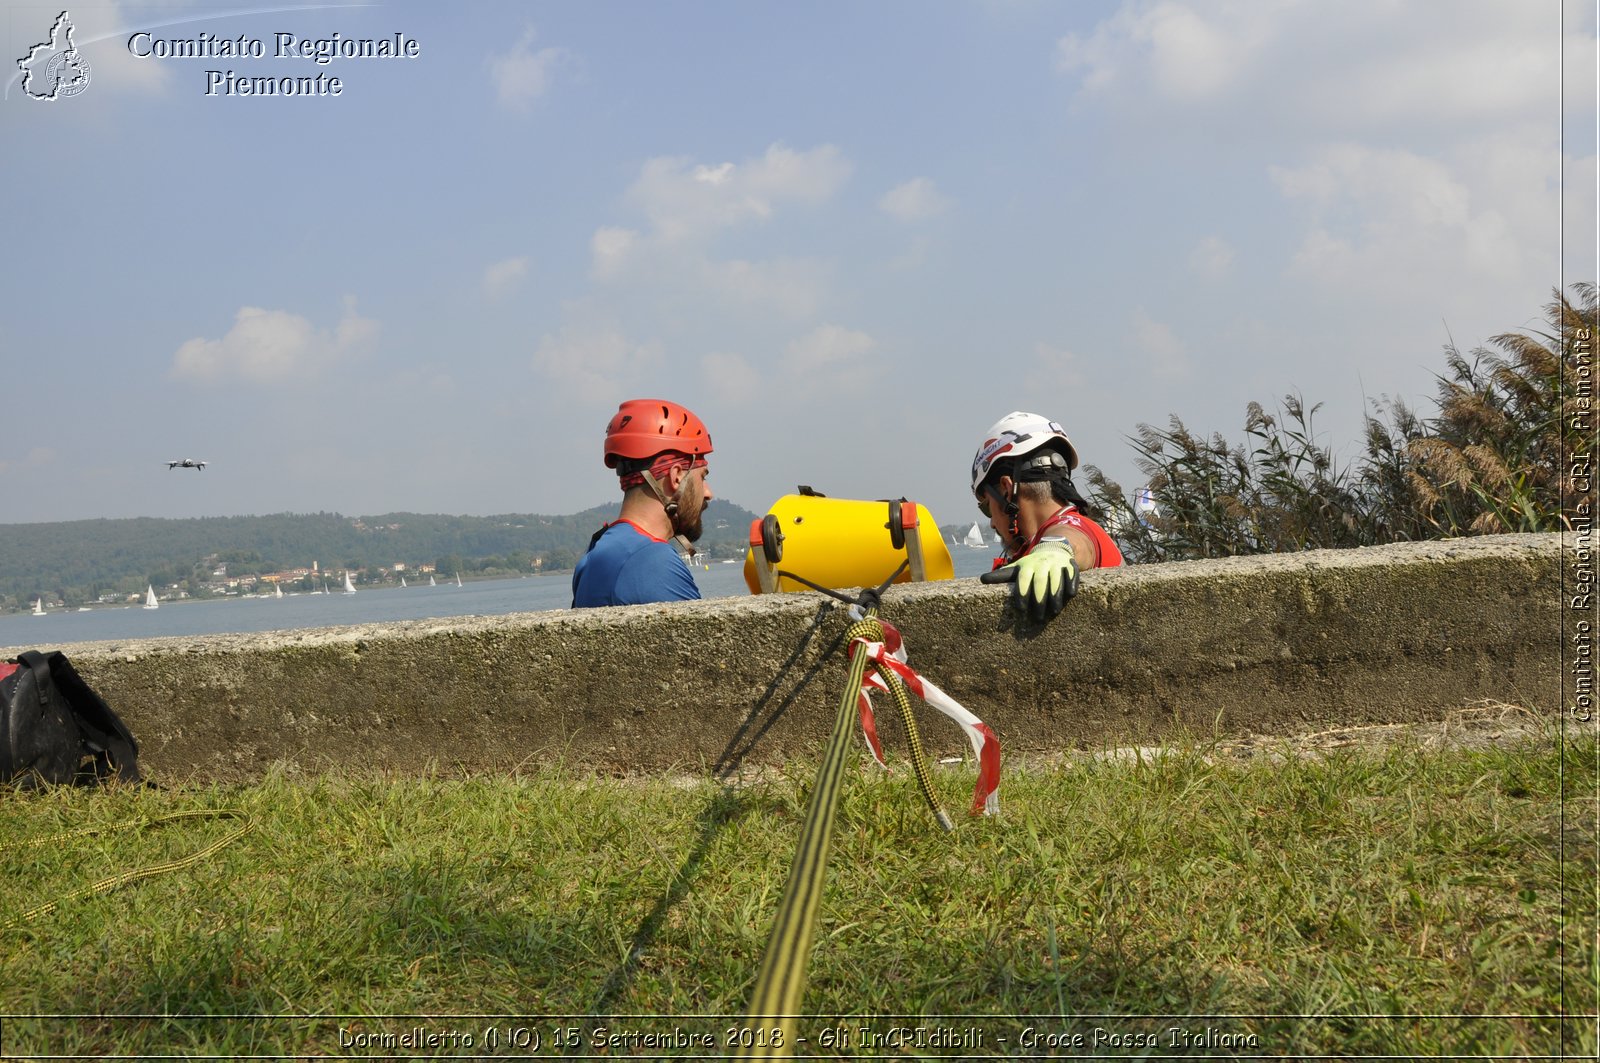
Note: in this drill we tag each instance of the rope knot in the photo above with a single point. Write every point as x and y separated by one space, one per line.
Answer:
890 673
866 630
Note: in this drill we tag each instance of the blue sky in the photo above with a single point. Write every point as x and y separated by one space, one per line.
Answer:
850 236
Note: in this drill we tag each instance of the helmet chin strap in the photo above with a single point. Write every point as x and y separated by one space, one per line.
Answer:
1013 511
672 506
669 504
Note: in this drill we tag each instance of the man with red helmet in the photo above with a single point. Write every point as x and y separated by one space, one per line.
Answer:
659 451
1022 475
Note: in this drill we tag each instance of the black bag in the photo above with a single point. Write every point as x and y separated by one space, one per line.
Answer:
55 729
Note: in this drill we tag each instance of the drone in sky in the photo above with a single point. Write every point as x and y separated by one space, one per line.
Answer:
185 463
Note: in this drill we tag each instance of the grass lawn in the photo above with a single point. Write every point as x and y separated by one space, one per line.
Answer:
1403 901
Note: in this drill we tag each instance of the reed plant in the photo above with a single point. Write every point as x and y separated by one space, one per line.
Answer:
1490 458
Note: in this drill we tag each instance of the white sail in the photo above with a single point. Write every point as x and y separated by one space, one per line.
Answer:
277 590
349 588
150 597
974 536
458 579
431 583
38 606
402 581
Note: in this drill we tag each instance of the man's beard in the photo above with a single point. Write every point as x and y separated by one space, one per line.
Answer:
689 524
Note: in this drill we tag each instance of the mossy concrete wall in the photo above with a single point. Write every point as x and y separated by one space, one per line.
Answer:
1274 644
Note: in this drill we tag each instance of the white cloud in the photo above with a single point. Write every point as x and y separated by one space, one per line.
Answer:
828 359
684 200
916 255
423 379
1376 213
914 200
1399 184
1359 66
788 286
500 277
522 75
611 249
688 204
1211 258
1464 81
596 363
108 53
1168 355
1057 371
1191 56
827 349
1582 177
678 276
1406 147
667 266
731 378
274 346
1171 47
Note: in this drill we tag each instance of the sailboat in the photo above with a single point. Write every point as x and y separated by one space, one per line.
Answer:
431 583
458 579
277 590
38 606
402 581
974 537
150 597
349 588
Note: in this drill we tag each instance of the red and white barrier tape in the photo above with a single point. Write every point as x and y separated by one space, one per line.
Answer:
891 654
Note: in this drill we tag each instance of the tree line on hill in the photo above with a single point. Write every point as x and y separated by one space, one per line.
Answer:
85 561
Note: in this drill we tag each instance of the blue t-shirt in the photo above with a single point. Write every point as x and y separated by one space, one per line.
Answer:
629 566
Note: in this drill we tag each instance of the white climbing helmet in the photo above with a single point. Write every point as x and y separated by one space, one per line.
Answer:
1015 435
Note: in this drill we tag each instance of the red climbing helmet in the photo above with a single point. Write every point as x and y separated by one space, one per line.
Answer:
643 428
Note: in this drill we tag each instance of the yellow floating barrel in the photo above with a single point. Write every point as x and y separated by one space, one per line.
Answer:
843 542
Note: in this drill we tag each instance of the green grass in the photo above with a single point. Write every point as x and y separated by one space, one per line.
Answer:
1399 902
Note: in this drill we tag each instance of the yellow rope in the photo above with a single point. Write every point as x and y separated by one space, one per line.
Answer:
775 1001
781 982
112 882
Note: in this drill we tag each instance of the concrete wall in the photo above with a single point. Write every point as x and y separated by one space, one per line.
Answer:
1265 644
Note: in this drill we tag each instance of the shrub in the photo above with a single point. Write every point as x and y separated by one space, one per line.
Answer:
1492 459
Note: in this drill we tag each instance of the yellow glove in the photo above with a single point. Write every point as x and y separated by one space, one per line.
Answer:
1047 578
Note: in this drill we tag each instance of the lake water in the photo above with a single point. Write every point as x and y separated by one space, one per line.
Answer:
230 615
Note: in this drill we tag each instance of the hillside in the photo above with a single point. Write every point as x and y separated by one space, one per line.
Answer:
81 561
